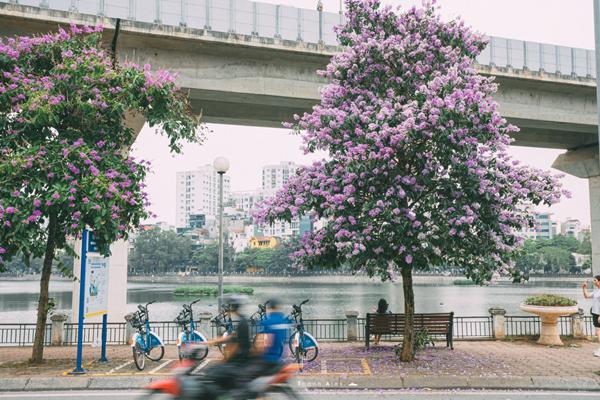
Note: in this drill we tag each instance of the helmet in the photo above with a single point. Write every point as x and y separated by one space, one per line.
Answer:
234 302
274 303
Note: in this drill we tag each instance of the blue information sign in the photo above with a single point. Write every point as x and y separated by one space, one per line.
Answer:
91 247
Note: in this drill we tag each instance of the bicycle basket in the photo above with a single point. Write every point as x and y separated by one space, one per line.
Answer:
136 321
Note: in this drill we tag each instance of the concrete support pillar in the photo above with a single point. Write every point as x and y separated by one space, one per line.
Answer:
594 185
585 163
58 328
352 325
578 325
498 322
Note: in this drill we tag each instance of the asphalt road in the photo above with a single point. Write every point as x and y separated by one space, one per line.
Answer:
335 395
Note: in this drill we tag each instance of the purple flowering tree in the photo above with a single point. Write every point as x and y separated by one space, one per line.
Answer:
64 144
417 173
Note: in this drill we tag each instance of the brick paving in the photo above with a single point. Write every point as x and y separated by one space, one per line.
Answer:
472 359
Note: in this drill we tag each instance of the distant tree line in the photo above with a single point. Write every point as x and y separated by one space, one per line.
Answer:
553 256
156 252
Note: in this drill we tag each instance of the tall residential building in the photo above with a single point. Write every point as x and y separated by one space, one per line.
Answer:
274 177
246 200
544 226
571 227
198 193
277 175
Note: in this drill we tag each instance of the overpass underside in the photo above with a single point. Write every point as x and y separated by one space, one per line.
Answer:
248 80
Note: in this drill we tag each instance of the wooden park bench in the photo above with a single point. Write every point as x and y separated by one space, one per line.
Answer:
437 324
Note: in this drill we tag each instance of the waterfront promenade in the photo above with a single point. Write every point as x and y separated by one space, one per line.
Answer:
484 365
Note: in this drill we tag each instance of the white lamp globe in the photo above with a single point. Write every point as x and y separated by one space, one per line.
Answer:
221 165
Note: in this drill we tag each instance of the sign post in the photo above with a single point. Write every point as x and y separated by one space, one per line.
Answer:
78 368
93 294
97 289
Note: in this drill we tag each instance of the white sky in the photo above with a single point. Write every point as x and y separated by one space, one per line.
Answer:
563 22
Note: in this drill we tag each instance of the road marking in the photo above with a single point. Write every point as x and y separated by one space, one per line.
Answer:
324 366
366 368
202 365
120 366
68 394
161 366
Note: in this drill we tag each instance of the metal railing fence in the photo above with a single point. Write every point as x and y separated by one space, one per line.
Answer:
265 20
21 334
333 329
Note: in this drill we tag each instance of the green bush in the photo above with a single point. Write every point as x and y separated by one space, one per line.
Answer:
463 282
551 300
211 290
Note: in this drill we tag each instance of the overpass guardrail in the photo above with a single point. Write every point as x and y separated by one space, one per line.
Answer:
310 26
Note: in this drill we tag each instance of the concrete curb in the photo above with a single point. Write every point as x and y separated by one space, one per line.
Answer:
323 382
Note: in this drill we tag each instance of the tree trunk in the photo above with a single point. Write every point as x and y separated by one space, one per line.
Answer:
38 344
409 313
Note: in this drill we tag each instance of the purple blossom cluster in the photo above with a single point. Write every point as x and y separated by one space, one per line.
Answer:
64 141
418 172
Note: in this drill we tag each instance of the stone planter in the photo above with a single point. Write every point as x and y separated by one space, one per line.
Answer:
549 333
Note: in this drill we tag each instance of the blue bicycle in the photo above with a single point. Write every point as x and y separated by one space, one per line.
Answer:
145 343
303 345
223 321
189 335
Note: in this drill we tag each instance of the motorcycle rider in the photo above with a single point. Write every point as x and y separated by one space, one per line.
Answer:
270 340
230 373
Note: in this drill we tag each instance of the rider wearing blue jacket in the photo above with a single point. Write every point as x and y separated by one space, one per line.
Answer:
273 333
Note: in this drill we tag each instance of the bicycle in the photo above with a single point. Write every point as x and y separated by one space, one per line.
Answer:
260 315
223 320
303 345
189 335
144 341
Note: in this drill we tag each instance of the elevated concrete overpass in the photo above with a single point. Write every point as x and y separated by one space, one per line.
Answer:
248 79
250 63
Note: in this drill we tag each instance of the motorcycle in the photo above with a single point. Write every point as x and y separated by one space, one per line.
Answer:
187 384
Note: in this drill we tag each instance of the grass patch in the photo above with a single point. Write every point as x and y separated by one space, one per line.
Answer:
212 291
550 300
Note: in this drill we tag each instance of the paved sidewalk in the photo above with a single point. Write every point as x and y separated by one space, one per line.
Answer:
498 365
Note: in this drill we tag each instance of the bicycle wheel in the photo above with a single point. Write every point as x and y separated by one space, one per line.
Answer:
138 357
311 353
299 357
198 354
291 342
156 353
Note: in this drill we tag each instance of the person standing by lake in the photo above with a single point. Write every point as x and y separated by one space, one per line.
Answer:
595 310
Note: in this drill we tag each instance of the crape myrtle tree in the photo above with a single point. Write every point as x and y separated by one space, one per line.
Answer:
417 173
64 162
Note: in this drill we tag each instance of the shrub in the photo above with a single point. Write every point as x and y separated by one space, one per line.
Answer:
550 300
463 282
212 291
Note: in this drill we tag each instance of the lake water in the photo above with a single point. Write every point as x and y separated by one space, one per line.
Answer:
18 299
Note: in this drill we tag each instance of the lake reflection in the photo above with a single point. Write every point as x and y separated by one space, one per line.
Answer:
18 299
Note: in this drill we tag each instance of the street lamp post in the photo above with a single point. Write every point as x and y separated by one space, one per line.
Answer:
221 165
